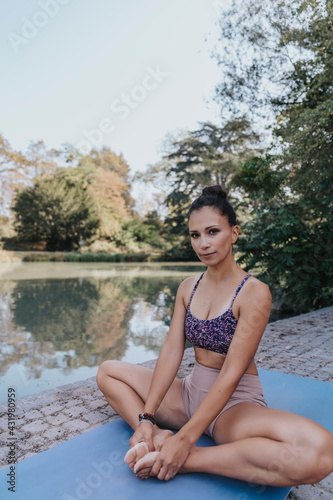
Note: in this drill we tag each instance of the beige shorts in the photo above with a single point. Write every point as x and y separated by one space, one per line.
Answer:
197 384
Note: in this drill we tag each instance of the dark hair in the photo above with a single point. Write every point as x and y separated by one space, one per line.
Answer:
215 197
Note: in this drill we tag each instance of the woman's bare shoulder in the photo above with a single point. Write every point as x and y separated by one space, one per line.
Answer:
186 288
256 289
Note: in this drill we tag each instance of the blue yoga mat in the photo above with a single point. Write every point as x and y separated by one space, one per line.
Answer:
91 466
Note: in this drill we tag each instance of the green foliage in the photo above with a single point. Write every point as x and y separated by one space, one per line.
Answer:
289 237
57 209
305 128
209 155
38 257
261 180
105 182
86 257
104 257
109 161
256 51
147 231
289 244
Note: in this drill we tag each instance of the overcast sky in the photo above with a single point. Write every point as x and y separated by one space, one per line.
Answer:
119 73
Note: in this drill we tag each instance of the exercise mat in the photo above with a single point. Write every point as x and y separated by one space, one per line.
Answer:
91 466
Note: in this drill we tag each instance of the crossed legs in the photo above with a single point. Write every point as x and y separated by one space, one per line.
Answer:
126 388
253 443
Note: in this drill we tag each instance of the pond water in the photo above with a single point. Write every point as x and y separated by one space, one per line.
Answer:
59 321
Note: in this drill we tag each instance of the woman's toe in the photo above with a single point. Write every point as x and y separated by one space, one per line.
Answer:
136 453
146 462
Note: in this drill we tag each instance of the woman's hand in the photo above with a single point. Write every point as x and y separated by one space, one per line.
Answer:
173 454
144 432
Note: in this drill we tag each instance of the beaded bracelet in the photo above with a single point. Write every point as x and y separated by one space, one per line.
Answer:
147 416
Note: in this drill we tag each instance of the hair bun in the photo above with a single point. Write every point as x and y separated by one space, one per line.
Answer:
216 190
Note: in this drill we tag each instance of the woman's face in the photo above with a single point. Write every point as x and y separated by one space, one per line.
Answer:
211 235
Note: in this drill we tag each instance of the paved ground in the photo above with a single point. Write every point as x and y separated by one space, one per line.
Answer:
301 346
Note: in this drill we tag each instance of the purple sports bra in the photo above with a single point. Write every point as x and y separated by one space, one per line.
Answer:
213 334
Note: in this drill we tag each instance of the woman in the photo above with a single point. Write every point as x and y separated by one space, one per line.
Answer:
224 313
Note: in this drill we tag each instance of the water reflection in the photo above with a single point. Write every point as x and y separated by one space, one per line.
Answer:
56 331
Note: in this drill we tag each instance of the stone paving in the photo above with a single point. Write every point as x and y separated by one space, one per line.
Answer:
301 345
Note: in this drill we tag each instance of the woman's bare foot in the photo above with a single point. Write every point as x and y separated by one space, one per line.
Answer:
134 454
159 436
142 468
141 449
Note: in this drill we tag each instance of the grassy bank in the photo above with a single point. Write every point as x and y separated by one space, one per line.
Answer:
87 257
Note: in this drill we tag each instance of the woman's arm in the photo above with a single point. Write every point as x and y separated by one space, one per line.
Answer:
253 317
166 368
170 356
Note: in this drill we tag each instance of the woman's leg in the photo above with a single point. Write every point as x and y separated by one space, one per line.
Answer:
261 445
266 446
126 388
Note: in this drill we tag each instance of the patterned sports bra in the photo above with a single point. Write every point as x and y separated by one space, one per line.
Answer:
213 334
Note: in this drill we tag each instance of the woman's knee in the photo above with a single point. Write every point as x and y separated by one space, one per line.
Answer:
315 462
106 371
322 457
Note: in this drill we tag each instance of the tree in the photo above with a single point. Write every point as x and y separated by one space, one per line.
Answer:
57 209
40 160
305 127
111 162
13 173
110 188
106 186
107 190
257 49
286 242
18 170
209 155
142 232
290 192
